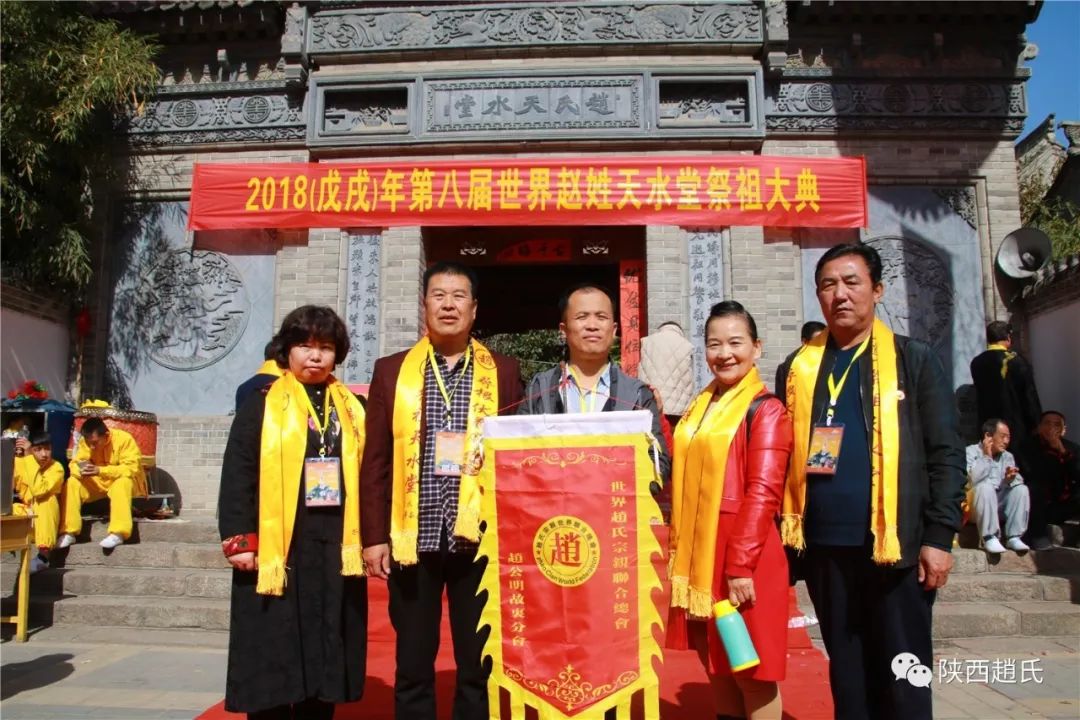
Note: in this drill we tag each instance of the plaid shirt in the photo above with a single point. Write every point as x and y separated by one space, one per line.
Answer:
439 493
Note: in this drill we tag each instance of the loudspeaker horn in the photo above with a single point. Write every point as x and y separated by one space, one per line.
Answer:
1023 253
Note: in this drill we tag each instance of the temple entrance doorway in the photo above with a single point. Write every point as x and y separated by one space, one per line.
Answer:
523 271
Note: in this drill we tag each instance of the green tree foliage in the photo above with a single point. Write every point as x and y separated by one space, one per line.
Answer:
1056 217
65 76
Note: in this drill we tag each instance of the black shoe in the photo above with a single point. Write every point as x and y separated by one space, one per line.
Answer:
1041 543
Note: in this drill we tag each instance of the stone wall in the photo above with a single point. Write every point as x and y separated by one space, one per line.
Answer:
189 453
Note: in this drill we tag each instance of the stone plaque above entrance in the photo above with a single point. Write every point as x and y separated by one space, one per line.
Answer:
539 104
493 108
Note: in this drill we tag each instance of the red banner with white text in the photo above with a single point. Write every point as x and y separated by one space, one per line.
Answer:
707 191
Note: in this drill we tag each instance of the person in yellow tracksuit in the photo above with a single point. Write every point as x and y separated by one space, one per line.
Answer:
106 464
38 481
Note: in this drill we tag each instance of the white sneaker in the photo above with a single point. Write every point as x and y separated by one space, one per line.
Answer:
1016 545
993 546
65 540
36 563
112 540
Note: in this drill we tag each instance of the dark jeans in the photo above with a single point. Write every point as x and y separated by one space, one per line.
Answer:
310 709
416 613
869 614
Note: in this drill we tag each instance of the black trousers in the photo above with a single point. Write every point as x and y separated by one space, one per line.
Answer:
870 614
416 613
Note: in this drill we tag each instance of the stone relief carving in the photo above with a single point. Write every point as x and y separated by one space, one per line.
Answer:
962 202
498 25
925 313
367 111
828 105
703 104
534 104
207 137
216 112
178 73
197 307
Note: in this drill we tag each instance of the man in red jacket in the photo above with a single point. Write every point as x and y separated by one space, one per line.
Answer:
420 498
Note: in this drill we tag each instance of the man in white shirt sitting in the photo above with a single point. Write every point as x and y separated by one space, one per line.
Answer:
997 489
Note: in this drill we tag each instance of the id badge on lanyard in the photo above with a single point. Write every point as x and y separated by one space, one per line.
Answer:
824 454
322 481
449 453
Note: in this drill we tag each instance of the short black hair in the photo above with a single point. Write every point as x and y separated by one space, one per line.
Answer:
93 426
809 329
311 321
868 254
998 331
1052 412
732 308
669 322
564 299
453 268
989 427
40 438
270 351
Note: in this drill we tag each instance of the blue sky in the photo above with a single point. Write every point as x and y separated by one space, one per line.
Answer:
1054 86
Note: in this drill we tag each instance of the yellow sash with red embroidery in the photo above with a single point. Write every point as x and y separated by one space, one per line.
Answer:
281 465
408 411
884 441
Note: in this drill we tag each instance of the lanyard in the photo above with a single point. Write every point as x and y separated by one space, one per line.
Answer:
320 426
582 390
836 387
448 396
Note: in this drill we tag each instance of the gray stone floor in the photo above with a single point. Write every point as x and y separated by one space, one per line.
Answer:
71 674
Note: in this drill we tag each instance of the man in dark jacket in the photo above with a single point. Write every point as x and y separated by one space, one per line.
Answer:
876 529
1053 465
587 381
1005 384
424 412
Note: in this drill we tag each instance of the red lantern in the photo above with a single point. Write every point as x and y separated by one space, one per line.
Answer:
82 323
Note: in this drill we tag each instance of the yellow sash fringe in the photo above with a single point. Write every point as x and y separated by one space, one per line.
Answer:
408 410
1008 355
884 436
281 465
702 442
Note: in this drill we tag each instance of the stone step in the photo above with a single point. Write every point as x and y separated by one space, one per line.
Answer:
144 555
1005 587
1060 560
135 612
141 582
174 530
992 619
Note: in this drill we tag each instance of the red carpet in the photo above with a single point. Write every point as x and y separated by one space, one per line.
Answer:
684 689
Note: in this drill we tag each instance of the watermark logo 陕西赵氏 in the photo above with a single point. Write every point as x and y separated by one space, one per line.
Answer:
906 666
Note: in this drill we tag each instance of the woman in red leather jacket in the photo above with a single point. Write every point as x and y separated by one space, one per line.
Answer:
727 484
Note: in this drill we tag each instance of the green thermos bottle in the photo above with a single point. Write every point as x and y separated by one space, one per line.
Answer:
735 637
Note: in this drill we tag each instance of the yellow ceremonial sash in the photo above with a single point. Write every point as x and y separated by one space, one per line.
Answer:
270 367
1008 355
702 441
884 441
281 464
408 434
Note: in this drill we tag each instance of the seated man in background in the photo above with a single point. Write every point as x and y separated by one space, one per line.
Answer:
107 463
38 481
1051 466
997 489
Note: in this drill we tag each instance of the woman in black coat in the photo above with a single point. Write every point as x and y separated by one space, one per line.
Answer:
289 522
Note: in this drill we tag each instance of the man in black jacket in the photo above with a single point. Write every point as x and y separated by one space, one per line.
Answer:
876 528
1005 384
